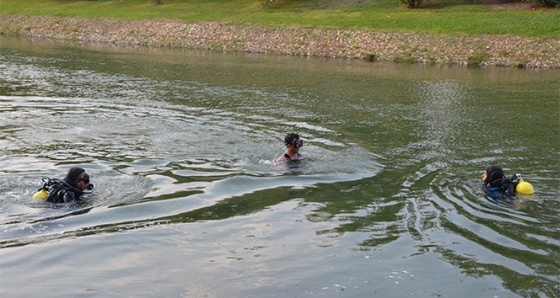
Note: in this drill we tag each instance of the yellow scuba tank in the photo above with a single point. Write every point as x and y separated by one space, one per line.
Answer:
42 194
524 188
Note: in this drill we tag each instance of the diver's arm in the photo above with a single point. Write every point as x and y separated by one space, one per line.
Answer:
281 158
69 197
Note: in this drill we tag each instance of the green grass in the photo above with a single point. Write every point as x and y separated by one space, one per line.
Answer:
435 16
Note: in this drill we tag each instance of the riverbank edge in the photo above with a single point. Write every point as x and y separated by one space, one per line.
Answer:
479 50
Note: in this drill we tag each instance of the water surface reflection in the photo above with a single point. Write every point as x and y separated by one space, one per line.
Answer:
180 146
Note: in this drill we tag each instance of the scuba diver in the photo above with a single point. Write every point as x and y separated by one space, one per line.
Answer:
293 144
69 190
496 183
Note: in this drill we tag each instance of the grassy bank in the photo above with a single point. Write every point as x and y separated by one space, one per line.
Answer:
435 16
445 33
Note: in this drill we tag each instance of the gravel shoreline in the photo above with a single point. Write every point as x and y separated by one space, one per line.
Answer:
484 50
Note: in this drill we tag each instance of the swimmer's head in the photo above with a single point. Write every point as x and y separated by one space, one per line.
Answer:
74 174
493 176
292 139
79 177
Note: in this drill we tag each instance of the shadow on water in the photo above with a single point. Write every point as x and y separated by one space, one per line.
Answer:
180 146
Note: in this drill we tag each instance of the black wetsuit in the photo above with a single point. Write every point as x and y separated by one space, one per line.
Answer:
288 158
64 191
502 187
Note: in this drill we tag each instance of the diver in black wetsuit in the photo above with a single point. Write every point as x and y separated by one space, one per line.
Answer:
70 189
293 143
497 185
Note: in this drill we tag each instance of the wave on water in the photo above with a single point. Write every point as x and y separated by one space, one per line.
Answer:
171 158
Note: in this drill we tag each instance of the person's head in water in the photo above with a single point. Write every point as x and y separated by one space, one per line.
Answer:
292 140
79 177
493 176
293 144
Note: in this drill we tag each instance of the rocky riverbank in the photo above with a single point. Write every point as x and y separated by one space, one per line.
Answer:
485 50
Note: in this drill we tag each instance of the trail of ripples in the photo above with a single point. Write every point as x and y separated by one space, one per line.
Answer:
148 153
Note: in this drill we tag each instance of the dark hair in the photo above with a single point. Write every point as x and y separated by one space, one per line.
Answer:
290 138
74 174
494 176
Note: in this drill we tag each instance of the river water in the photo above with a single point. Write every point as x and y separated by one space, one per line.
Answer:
188 203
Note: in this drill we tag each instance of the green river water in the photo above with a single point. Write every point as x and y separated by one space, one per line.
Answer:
188 202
